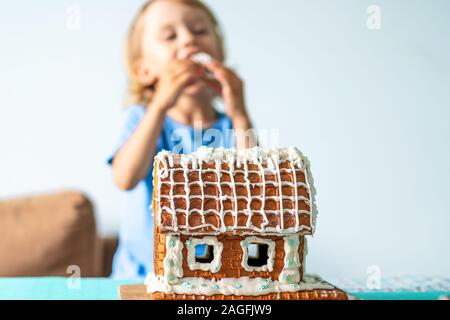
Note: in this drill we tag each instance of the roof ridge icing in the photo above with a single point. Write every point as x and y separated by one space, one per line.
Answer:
253 155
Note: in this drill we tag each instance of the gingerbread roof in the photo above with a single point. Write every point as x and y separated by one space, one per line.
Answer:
248 191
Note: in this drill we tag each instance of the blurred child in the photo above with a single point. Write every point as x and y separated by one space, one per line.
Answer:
169 93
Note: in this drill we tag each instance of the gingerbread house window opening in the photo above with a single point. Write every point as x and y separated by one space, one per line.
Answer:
204 254
258 254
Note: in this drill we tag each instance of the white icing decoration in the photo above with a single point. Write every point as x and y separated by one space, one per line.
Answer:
215 265
312 193
280 196
203 194
233 183
249 196
305 253
173 260
263 198
270 253
171 198
232 286
291 268
224 197
256 155
294 174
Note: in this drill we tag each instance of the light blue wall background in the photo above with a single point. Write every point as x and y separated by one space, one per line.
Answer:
371 109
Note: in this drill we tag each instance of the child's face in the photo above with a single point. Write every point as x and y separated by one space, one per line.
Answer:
173 30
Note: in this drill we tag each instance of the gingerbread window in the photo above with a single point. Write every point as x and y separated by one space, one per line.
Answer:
204 254
258 254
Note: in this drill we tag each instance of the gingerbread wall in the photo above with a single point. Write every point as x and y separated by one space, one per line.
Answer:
231 258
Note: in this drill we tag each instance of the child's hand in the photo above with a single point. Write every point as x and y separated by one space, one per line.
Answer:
177 75
230 87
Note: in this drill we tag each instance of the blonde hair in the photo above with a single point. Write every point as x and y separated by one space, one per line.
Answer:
137 92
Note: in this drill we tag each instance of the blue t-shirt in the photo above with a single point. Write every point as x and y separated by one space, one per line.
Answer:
134 255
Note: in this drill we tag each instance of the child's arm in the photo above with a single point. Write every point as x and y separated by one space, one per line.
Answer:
245 137
232 91
132 162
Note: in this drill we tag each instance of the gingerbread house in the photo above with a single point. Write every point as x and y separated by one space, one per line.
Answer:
233 224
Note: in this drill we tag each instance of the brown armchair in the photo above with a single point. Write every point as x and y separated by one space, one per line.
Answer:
43 235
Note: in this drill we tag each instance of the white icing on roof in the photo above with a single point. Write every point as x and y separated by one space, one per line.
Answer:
253 155
241 158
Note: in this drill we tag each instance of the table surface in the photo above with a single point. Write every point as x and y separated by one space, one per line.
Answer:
60 288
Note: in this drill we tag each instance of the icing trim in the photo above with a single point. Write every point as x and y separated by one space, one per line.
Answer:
215 265
233 286
304 230
305 253
173 261
270 253
291 268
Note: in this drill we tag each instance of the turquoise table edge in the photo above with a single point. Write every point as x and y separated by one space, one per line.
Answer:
60 288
